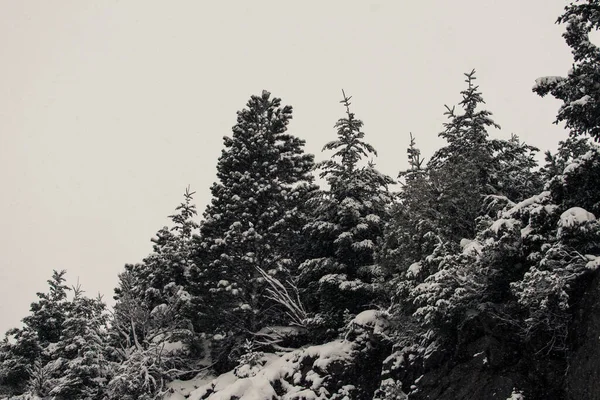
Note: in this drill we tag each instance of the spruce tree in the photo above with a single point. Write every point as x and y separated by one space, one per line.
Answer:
171 260
467 157
48 314
412 224
568 150
41 330
346 224
579 89
80 367
514 169
254 218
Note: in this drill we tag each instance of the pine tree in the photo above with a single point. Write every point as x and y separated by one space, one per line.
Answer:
80 368
148 347
346 224
171 260
415 162
442 206
255 217
411 229
42 329
579 89
19 351
48 314
514 169
467 157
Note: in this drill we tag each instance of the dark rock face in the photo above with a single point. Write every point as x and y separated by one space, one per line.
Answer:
465 381
583 375
485 364
485 368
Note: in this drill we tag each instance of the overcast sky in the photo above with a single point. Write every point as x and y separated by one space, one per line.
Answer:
109 109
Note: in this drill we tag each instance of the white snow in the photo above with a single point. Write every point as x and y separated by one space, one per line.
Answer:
539 198
353 285
515 395
582 101
526 231
373 218
570 168
413 270
593 263
182 389
344 235
375 319
259 386
170 347
547 80
575 216
590 154
470 246
51 348
502 222
366 244
362 227
159 309
281 330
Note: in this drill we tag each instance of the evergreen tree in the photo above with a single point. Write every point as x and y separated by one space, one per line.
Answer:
148 347
171 260
347 221
568 151
80 368
48 314
442 206
254 219
514 169
467 157
410 232
19 351
42 329
579 89
415 162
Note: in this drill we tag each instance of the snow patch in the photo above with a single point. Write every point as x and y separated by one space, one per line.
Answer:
547 80
575 216
537 199
502 222
516 395
570 168
470 247
376 319
526 231
159 309
170 347
413 270
180 390
276 369
582 101
593 263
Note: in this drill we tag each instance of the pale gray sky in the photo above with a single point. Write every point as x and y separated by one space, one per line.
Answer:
109 109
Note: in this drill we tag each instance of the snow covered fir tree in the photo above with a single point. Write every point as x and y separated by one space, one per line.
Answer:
473 275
